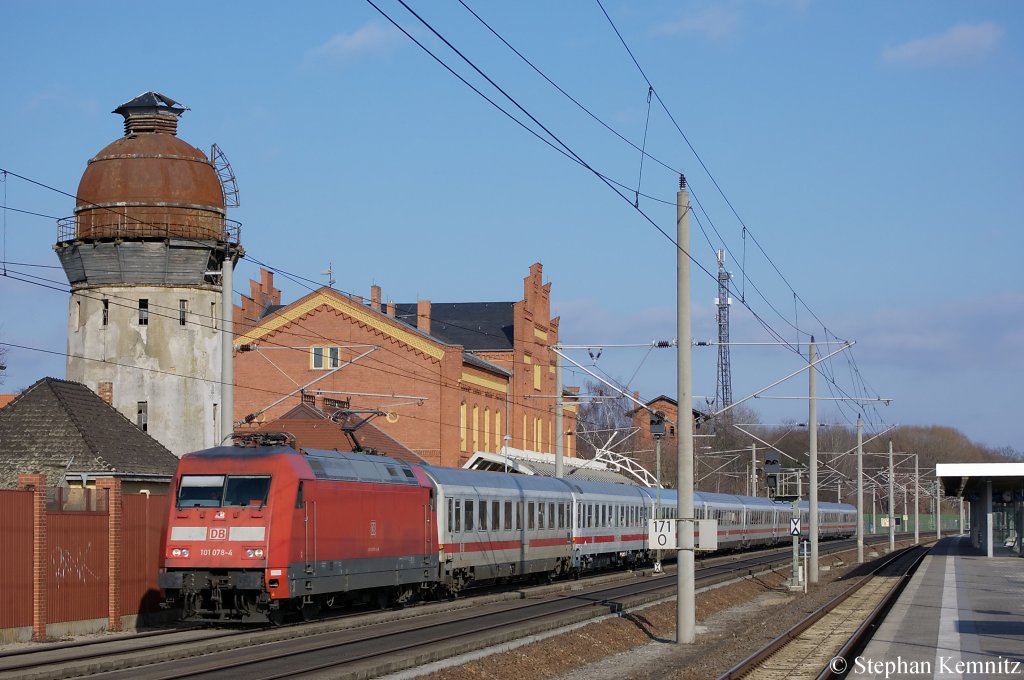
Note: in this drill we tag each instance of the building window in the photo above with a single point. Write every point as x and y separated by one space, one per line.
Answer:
498 441
462 426
142 416
323 358
106 312
487 429
536 377
143 312
476 428
182 311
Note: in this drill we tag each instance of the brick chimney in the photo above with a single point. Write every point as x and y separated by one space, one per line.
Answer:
423 315
106 392
389 309
375 298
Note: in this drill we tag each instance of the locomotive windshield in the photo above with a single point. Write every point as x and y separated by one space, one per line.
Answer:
215 491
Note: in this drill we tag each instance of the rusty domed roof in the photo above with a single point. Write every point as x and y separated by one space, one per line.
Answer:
149 183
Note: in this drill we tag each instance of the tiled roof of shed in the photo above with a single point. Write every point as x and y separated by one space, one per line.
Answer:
474 360
63 429
313 429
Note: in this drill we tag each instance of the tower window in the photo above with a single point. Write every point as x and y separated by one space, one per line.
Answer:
318 357
143 312
142 416
182 311
334 357
106 311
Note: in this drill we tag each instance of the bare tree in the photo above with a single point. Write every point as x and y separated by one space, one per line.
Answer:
603 416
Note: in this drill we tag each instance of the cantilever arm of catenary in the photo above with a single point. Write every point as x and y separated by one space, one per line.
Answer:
847 345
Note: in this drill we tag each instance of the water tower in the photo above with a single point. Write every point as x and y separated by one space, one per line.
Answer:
148 253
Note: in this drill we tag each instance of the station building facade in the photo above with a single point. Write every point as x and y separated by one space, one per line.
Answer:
448 379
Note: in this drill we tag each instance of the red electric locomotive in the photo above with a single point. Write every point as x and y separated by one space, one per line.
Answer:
256 533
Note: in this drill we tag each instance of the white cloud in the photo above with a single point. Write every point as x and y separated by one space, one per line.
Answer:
373 38
714 23
959 44
974 335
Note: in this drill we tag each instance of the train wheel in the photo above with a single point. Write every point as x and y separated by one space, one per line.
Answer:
309 610
276 617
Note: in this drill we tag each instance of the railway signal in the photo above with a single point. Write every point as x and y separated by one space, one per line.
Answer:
772 471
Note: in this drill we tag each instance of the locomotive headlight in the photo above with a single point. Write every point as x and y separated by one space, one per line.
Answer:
176 552
184 552
249 552
259 552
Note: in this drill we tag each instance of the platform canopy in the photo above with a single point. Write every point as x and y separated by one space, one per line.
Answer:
968 480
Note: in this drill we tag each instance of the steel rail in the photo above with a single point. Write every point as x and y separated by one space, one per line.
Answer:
757 658
47 662
867 629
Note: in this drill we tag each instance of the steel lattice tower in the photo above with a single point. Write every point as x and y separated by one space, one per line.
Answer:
723 392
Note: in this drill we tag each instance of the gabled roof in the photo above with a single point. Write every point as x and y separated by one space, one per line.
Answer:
474 325
326 297
64 429
698 416
313 429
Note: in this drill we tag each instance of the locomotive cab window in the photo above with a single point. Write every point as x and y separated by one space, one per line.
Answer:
215 491
200 491
246 490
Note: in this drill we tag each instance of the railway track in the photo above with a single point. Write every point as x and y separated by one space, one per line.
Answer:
360 641
822 645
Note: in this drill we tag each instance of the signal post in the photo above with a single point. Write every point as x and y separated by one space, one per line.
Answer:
784 485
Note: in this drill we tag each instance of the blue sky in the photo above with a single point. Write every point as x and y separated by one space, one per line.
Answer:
873 151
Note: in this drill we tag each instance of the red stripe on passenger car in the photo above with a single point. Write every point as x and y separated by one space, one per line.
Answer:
482 546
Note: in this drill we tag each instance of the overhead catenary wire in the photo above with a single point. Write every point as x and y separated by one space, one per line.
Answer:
718 186
650 90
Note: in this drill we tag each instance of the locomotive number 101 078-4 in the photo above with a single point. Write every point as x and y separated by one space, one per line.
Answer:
215 552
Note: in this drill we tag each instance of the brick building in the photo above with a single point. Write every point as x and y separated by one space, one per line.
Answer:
453 378
643 441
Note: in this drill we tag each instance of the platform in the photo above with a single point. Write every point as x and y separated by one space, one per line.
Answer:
961 616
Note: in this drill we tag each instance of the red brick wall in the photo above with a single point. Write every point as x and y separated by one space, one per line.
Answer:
113 488
431 389
40 555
